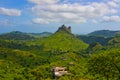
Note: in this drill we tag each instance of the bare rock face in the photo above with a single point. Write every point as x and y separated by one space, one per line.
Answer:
64 28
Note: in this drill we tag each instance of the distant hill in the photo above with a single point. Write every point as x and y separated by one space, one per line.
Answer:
16 35
101 36
94 39
43 34
104 33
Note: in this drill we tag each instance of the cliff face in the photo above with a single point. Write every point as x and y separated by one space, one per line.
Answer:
64 28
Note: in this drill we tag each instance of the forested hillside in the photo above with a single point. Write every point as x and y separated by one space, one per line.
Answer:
27 57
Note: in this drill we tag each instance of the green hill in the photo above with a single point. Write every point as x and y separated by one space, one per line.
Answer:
16 35
33 59
104 33
62 41
101 36
94 39
23 57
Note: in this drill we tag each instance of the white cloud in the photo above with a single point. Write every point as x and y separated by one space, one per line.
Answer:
111 19
112 4
54 11
43 1
10 12
40 21
116 0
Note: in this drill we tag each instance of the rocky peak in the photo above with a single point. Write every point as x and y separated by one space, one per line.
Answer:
64 28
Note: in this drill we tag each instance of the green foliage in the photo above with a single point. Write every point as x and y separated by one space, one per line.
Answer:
115 40
94 47
16 35
105 65
94 39
32 59
62 42
42 72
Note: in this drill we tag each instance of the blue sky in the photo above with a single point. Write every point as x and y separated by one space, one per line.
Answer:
37 16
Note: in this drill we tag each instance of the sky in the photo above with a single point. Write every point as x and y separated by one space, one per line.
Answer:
36 16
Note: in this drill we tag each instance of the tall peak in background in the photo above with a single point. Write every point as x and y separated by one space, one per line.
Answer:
64 28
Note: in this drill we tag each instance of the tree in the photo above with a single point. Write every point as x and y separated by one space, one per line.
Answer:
105 65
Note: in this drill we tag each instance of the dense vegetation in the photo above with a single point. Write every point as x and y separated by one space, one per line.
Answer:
93 39
27 57
104 33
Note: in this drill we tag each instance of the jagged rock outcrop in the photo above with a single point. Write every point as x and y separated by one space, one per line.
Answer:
64 28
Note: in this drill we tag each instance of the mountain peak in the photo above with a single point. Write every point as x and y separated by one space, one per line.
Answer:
64 28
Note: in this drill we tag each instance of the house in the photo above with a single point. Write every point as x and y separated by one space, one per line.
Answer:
59 71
